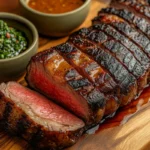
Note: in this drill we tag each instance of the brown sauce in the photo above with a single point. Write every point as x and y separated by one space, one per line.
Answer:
55 6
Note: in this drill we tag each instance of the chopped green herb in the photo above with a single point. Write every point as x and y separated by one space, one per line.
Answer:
12 41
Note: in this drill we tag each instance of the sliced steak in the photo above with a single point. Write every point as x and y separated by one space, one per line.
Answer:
36 119
91 70
134 20
139 7
121 53
138 52
122 77
138 38
50 74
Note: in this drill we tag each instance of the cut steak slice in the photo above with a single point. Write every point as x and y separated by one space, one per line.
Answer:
124 79
124 28
50 74
113 33
129 61
136 5
121 53
91 70
37 119
138 22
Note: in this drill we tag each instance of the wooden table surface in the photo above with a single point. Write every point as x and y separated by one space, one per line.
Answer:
128 130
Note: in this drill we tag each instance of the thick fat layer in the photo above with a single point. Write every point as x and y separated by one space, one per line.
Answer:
64 84
41 110
14 120
120 74
91 70
140 23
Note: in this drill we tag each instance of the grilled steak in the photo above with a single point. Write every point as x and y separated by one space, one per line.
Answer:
96 71
37 119
62 83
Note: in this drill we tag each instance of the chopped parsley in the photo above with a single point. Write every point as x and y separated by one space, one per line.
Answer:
12 41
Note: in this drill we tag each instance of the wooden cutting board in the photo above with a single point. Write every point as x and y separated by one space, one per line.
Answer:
128 130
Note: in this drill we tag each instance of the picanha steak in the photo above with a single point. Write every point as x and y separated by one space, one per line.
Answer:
96 71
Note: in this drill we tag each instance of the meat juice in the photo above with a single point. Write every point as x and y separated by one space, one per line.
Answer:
123 114
115 132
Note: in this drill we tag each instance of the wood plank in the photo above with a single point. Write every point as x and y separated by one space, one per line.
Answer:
131 135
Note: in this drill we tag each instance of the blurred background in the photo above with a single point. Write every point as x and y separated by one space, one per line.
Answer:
8 5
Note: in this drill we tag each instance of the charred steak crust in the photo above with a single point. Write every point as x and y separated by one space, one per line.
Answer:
138 22
16 121
138 6
74 92
96 71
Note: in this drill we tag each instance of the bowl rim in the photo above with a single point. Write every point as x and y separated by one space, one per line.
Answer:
4 15
55 15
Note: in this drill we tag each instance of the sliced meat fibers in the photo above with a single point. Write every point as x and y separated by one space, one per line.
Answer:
50 74
122 77
37 119
91 70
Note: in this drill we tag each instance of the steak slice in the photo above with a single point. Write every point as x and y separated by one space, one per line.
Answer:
132 47
91 70
124 28
123 78
138 6
50 74
136 21
121 53
36 119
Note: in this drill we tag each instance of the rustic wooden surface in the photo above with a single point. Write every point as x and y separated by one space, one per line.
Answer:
132 134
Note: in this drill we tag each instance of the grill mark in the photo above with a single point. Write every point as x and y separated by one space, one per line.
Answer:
86 32
138 38
124 28
87 66
138 22
118 51
37 136
133 48
6 114
76 84
105 60
125 57
139 7
22 125
94 95
72 75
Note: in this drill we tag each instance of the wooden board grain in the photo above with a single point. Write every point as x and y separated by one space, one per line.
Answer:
132 135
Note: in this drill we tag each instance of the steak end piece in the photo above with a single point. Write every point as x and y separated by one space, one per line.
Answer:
36 119
50 74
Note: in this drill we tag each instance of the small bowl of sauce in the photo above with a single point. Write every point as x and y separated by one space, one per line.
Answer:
55 6
55 17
